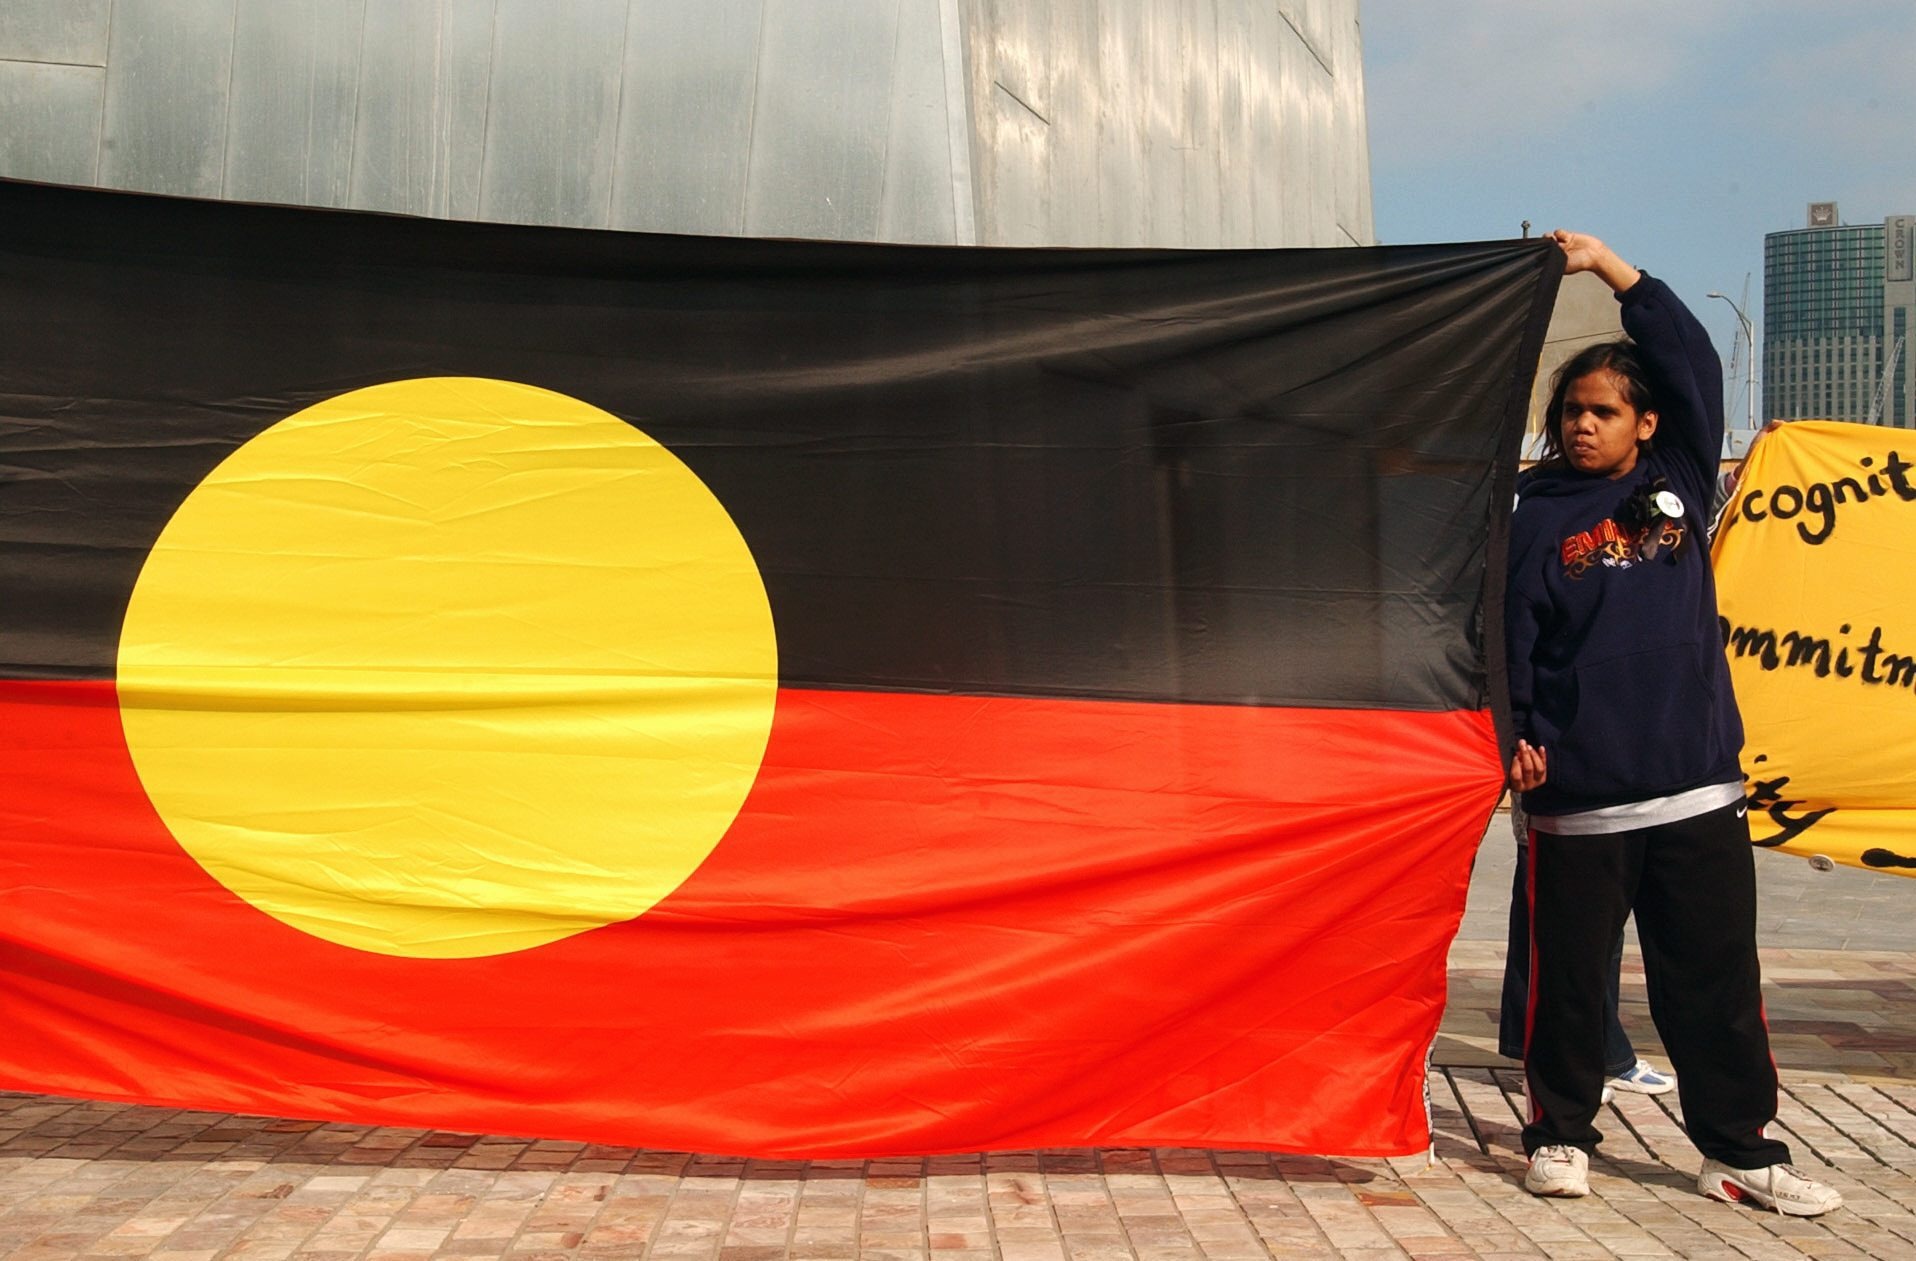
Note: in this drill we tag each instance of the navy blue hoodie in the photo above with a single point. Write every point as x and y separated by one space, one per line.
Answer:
1616 659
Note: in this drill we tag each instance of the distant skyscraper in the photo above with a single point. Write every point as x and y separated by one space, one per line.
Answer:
1839 320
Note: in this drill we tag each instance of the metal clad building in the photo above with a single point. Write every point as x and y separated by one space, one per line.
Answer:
1839 303
1085 122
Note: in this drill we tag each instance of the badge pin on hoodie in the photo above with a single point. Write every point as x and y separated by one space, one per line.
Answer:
1665 505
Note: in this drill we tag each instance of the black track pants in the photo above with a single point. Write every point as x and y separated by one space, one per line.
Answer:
1692 885
1513 1008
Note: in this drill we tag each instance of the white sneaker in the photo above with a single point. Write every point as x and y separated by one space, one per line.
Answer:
1779 1187
1643 1079
1558 1171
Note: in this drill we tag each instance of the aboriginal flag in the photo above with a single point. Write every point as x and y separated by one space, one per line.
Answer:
768 697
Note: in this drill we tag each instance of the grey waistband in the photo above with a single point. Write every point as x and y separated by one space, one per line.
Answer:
1639 814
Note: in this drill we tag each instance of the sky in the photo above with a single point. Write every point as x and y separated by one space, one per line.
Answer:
1679 131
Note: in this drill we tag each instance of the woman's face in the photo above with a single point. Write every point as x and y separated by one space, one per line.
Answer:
1600 428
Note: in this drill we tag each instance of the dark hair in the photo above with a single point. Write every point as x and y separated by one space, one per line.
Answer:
1620 357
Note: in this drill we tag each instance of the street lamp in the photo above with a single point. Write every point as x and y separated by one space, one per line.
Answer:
1749 339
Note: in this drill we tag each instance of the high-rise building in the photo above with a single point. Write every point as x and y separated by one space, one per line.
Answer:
1839 320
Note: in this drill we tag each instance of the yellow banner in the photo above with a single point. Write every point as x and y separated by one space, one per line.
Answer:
1816 581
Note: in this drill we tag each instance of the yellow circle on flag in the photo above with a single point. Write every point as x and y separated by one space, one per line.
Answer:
447 668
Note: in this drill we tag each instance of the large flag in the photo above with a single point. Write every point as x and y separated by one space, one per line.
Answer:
750 696
1816 574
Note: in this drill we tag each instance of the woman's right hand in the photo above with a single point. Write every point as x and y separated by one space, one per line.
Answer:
1529 768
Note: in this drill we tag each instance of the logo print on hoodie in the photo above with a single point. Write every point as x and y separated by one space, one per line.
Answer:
1612 546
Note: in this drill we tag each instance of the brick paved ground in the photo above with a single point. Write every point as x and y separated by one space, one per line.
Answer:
84 1180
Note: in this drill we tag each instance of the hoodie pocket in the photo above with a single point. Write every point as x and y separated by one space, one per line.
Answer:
1643 723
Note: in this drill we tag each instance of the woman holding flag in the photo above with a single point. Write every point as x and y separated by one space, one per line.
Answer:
1627 744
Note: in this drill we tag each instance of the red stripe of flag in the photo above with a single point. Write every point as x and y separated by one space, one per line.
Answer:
940 922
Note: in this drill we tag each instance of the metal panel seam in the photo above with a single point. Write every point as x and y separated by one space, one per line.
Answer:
34 61
751 128
226 110
99 143
618 117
